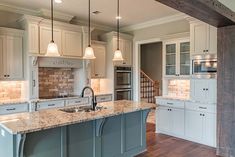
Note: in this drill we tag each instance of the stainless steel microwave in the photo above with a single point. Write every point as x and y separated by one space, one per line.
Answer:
204 65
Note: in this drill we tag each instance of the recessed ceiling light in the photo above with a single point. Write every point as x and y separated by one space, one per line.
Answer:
58 1
118 17
96 12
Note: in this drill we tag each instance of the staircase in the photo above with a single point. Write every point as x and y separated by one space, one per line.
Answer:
148 88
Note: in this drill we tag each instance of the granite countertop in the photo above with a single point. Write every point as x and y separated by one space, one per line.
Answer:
52 118
173 98
13 102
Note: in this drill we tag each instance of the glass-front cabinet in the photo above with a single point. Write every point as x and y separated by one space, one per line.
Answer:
177 58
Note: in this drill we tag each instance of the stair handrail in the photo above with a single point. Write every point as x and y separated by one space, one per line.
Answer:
151 80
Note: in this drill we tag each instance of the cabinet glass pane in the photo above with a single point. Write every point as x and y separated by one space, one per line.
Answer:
170 48
185 58
170 70
170 59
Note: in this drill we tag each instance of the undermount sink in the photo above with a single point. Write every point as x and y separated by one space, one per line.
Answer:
81 109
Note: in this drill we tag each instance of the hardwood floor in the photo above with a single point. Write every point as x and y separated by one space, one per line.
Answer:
159 145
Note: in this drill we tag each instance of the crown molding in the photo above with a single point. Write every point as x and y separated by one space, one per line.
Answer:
159 21
58 15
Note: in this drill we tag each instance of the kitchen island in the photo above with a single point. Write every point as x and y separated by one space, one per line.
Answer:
117 130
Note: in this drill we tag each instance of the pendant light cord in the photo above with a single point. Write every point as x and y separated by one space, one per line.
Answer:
52 22
118 23
89 23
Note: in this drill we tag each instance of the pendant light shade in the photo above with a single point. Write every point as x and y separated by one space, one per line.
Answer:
117 56
52 49
89 52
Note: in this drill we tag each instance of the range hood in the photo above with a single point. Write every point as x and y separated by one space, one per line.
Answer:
56 62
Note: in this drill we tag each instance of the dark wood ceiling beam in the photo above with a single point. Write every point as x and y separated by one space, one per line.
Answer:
209 11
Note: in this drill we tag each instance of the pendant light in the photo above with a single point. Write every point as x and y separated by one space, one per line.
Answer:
118 53
52 49
89 52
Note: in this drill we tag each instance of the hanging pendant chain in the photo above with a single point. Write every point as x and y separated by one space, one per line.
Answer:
89 23
52 22
118 23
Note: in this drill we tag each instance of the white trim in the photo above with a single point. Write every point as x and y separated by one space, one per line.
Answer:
136 66
159 21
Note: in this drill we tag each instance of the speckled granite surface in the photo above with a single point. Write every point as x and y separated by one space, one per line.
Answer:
51 118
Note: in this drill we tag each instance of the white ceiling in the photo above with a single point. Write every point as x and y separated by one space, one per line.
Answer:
132 11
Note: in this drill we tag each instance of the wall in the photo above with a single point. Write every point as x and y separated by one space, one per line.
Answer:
10 90
55 81
161 30
151 60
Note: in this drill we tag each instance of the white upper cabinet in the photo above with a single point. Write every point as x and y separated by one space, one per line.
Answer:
72 44
203 90
33 38
11 54
45 39
203 38
98 64
176 58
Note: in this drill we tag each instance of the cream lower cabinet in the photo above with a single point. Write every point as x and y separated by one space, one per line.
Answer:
98 64
170 121
188 120
11 55
200 127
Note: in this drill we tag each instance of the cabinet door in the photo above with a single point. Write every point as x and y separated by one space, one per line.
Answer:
212 40
45 39
198 90
209 129
14 57
200 38
184 57
211 88
33 43
72 44
98 64
193 125
177 121
2 49
170 58
164 119
127 52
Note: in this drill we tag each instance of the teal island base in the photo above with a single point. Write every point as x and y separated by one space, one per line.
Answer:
117 136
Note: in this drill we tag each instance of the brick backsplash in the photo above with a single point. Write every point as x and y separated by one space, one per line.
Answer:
10 90
179 88
55 81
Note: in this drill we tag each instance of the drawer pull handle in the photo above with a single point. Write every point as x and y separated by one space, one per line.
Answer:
102 98
77 101
11 109
203 108
51 104
170 103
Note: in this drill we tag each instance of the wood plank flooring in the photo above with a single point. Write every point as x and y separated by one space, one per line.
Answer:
159 145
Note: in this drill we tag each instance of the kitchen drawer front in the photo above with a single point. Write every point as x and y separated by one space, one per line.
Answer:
170 103
16 108
200 107
77 101
49 104
104 98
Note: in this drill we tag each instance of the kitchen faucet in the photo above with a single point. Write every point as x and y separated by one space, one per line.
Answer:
94 103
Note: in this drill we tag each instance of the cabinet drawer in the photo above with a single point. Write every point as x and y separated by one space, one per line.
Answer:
200 107
16 108
49 104
77 101
104 98
170 103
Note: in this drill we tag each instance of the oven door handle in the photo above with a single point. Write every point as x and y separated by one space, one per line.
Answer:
122 90
123 71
